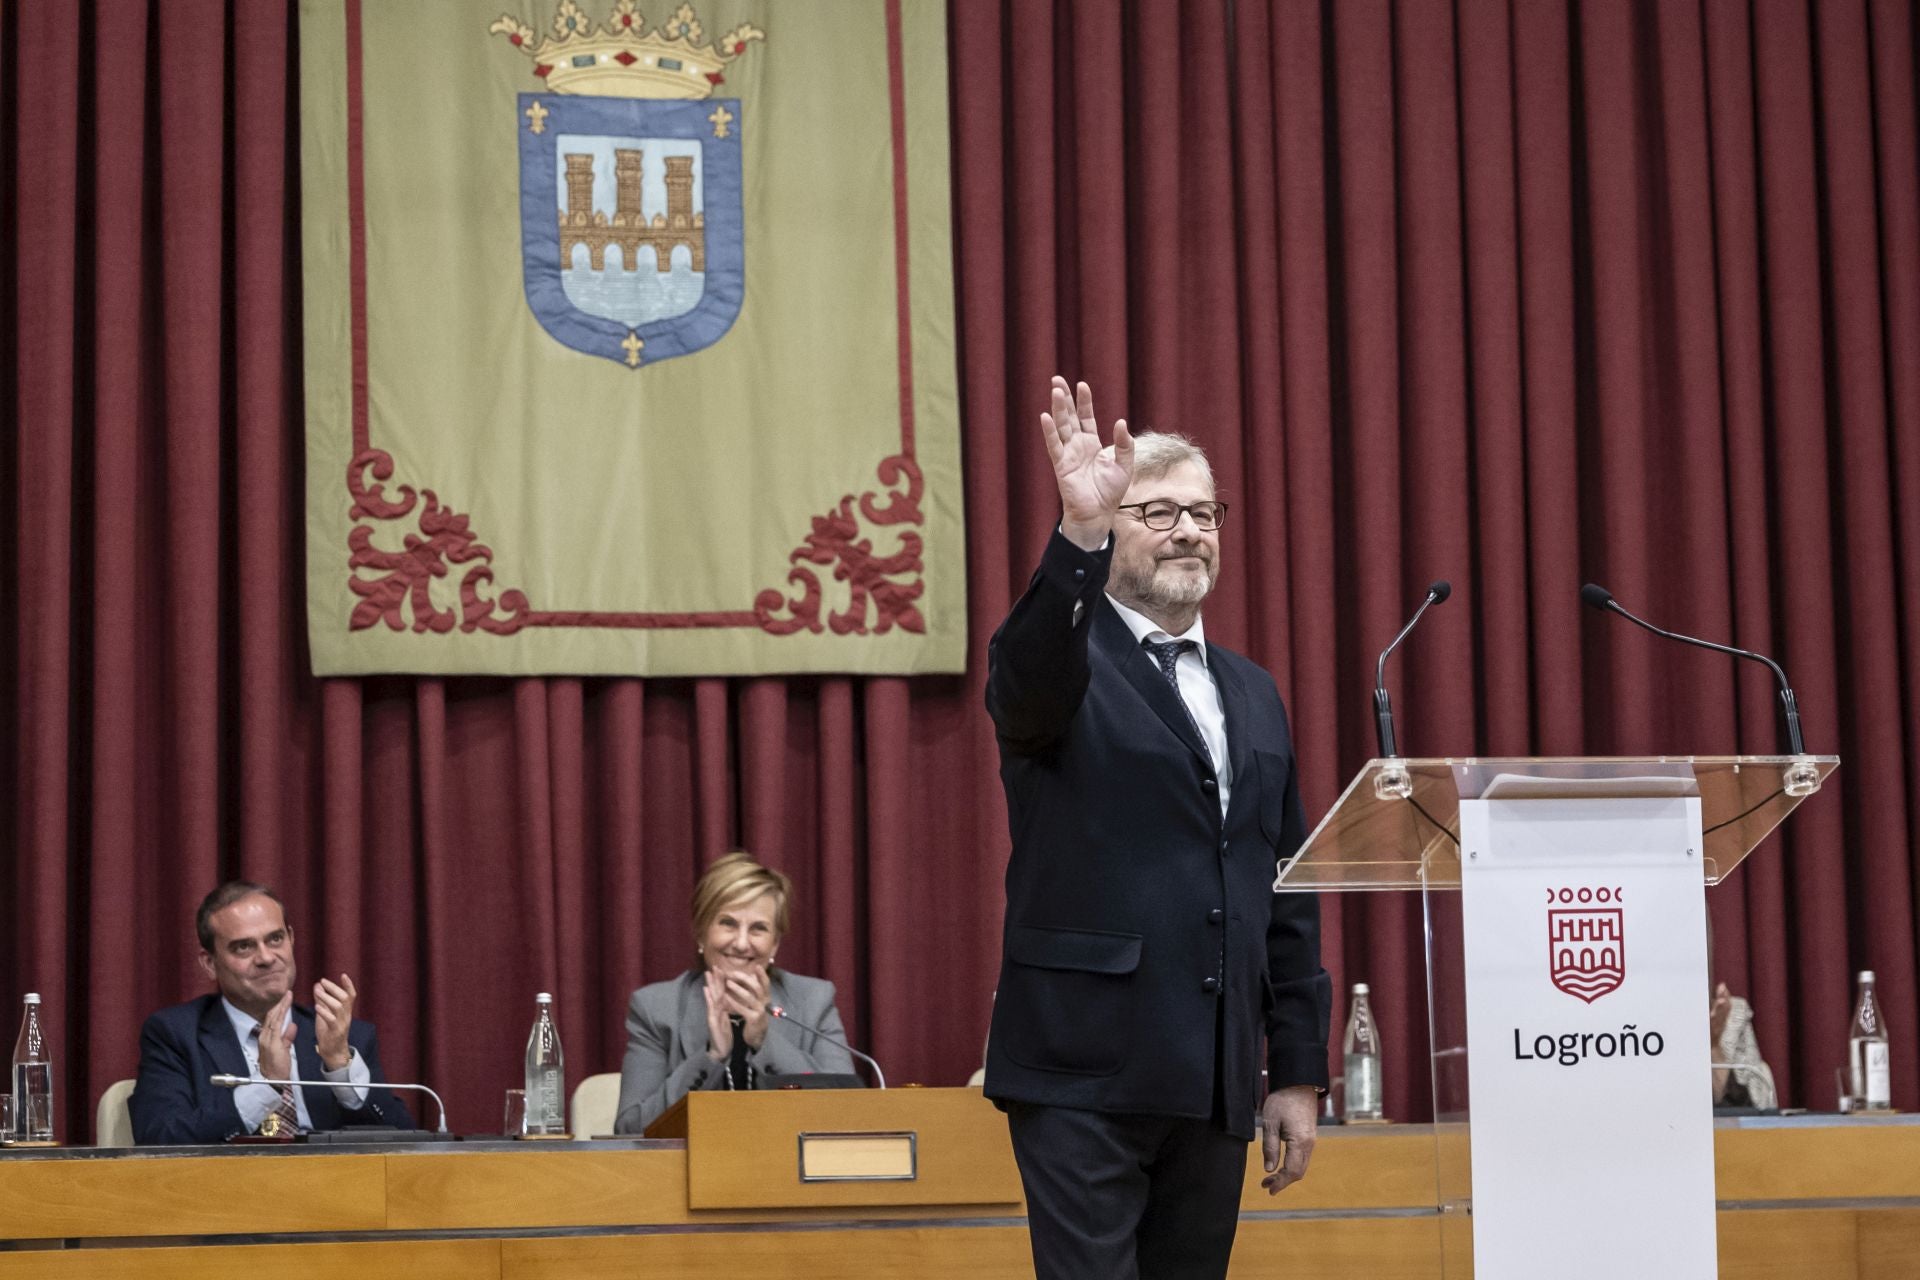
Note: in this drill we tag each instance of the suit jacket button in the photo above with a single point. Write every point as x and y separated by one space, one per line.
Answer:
1210 986
1209 785
1215 916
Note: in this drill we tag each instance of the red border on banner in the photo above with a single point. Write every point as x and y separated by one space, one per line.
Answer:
356 235
834 542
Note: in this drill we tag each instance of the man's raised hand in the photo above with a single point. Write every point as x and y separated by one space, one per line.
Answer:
1092 479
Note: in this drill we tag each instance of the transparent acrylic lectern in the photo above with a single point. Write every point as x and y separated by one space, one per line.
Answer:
1623 849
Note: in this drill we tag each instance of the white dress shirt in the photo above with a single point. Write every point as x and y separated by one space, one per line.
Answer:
1197 689
255 1100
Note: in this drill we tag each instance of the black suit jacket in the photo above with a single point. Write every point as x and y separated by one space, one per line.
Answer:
1136 916
175 1104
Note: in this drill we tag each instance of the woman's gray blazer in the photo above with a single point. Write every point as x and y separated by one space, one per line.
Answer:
667 1043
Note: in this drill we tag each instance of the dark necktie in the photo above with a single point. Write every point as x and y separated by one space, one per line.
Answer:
1167 654
739 1071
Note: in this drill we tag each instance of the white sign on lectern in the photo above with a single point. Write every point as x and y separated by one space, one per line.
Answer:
1585 932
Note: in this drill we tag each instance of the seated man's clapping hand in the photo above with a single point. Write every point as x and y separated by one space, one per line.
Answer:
276 1041
333 1015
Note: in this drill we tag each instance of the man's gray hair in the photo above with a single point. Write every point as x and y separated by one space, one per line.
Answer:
1157 452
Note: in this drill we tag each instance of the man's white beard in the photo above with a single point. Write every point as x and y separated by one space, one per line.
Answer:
1174 591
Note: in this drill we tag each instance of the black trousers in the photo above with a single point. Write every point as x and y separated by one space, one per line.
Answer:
1120 1197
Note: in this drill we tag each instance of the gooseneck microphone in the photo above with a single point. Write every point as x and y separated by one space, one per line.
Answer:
1600 598
780 1013
1382 704
234 1082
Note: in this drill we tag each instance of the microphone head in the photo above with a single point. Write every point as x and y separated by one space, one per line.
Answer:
1439 591
1596 595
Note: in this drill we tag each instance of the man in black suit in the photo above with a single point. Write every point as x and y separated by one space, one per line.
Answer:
251 1027
1146 960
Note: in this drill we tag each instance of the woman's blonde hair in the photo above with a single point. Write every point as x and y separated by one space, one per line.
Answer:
735 878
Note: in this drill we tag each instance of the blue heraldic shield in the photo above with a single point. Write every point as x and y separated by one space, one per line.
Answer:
632 230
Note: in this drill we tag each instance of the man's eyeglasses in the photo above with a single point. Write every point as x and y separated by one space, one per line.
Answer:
1162 515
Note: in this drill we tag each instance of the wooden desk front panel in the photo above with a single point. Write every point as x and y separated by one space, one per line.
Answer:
743 1149
365 1260
481 1190
1868 1161
1754 1245
487 1191
1373 1168
191 1195
1780 1174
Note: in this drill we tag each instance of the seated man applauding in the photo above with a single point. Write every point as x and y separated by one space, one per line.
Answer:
252 1028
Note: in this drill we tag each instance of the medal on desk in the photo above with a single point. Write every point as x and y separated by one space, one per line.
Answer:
274 1129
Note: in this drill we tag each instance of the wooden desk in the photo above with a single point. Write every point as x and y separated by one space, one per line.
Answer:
1803 1199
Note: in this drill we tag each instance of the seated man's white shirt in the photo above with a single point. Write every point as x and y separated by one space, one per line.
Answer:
350 1082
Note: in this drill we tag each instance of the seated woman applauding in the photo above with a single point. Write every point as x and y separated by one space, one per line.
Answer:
710 1028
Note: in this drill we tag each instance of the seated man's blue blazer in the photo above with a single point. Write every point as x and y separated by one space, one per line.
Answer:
175 1103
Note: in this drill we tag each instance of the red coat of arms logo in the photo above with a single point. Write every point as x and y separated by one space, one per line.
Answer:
1586 941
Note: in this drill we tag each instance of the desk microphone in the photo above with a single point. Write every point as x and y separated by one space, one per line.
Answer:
1393 782
1602 599
1800 777
1383 705
234 1082
830 1038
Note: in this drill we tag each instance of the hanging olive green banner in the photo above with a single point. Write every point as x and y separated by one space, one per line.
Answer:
629 338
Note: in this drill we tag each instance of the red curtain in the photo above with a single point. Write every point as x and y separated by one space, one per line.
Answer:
1515 294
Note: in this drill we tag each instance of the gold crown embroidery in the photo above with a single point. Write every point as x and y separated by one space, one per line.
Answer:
623 58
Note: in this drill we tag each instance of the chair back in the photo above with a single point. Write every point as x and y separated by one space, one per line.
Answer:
595 1102
112 1124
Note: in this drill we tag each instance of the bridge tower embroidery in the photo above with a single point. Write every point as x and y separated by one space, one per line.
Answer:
629 227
